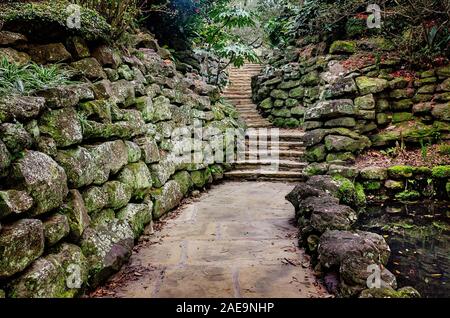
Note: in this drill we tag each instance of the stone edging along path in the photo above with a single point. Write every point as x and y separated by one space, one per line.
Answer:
236 240
358 258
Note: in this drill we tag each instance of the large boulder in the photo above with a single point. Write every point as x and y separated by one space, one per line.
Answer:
11 38
300 193
107 247
61 274
353 253
20 244
44 180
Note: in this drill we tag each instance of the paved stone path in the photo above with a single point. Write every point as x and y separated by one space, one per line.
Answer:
236 240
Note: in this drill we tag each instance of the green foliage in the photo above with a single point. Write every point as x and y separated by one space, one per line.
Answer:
120 14
444 149
37 16
218 39
16 79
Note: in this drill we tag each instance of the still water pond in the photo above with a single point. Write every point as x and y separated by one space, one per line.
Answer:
419 238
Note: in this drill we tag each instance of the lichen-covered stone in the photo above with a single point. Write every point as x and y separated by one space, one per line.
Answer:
15 137
77 47
279 94
330 109
366 102
5 158
401 117
404 104
77 214
161 106
394 185
343 47
106 56
404 292
374 173
14 202
441 111
95 199
341 122
61 274
14 56
20 107
162 171
108 157
145 105
79 165
297 92
56 227
369 85
49 53
149 149
63 126
343 143
90 68
123 92
44 180
137 176
166 198
137 216
20 244
184 180
134 151
98 110
316 153
107 247
118 193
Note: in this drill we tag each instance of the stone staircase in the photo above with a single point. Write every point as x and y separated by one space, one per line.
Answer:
268 153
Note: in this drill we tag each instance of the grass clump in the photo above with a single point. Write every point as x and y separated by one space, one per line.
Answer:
24 79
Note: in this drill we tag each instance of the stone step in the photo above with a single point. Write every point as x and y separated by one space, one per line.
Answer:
292 145
283 135
258 174
251 125
281 165
296 154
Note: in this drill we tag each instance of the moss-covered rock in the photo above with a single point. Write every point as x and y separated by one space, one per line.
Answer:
343 47
162 171
76 213
95 199
79 165
404 292
107 247
441 172
20 244
161 106
14 202
63 126
372 185
394 185
184 180
316 153
49 53
61 274
266 104
118 193
408 195
374 173
400 172
279 94
137 176
369 85
44 180
346 190
15 137
90 68
341 122
337 143
401 117
56 227
366 102
166 198
441 111
137 216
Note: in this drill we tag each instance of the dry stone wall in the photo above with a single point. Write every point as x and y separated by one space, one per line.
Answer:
85 167
349 99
